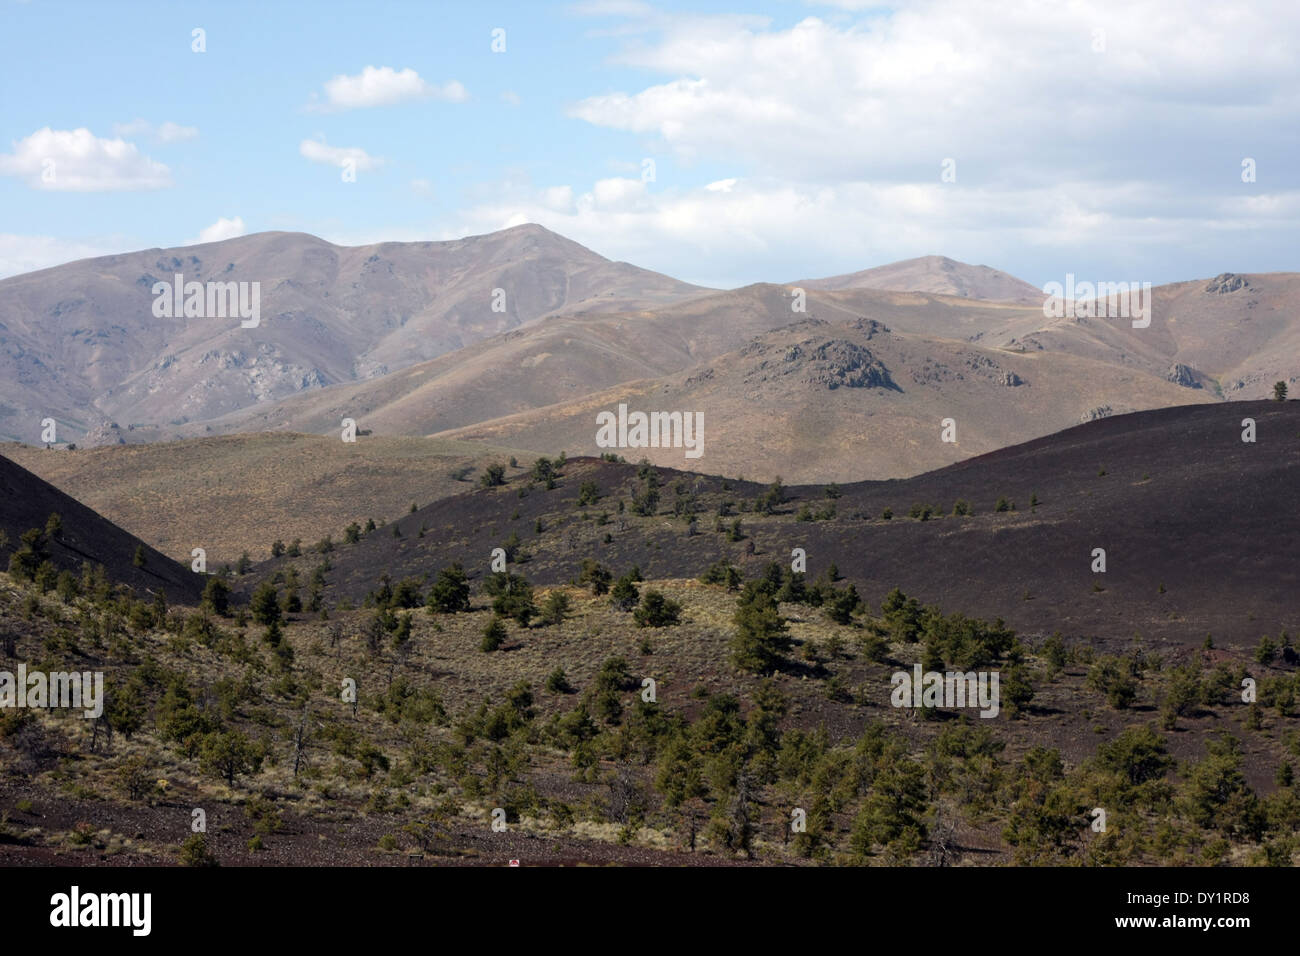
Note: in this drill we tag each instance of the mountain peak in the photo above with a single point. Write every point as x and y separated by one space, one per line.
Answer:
936 275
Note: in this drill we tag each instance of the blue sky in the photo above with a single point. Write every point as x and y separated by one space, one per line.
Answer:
789 139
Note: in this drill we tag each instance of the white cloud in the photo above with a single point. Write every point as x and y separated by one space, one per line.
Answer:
78 161
1010 85
221 229
511 98
775 231
384 86
422 187
616 193
319 152
557 198
19 254
168 132
837 130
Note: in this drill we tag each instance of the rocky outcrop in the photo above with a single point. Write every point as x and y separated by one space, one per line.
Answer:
1183 375
870 326
1227 282
105 433
830 364
837 363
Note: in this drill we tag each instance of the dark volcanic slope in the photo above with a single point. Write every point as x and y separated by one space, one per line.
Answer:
27 502
1183 503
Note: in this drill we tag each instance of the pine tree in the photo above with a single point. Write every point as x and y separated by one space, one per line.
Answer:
494 635
216 597
265 604
450 593
625 594
760 640
657 611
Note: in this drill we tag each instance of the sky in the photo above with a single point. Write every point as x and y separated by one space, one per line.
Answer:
719 143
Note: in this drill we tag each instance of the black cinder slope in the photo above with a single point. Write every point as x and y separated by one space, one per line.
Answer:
1198 529
27 501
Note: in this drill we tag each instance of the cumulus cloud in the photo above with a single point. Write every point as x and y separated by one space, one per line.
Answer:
1015 91
221 229
319 152
79 161
384 86
771 230
1002 131
557 198
615 194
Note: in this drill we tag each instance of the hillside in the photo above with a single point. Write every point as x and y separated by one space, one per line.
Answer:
938 275
1170 475
600 736
540 387
819 401
564 358
1233 335
27 501
80 343
243 492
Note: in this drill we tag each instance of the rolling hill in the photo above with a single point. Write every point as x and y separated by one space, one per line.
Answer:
237 493
566 358
1196 526
80 343
819 401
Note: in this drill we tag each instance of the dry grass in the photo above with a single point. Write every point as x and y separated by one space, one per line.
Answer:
241 492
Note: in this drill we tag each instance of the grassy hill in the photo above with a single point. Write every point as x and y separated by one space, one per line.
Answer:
83 538
239 493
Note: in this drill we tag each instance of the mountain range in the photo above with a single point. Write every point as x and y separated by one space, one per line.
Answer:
521 337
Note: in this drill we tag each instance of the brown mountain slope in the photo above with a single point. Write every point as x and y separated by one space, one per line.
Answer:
938 275
79 342
818 401
1234 333
1097 366
239 493
563 358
